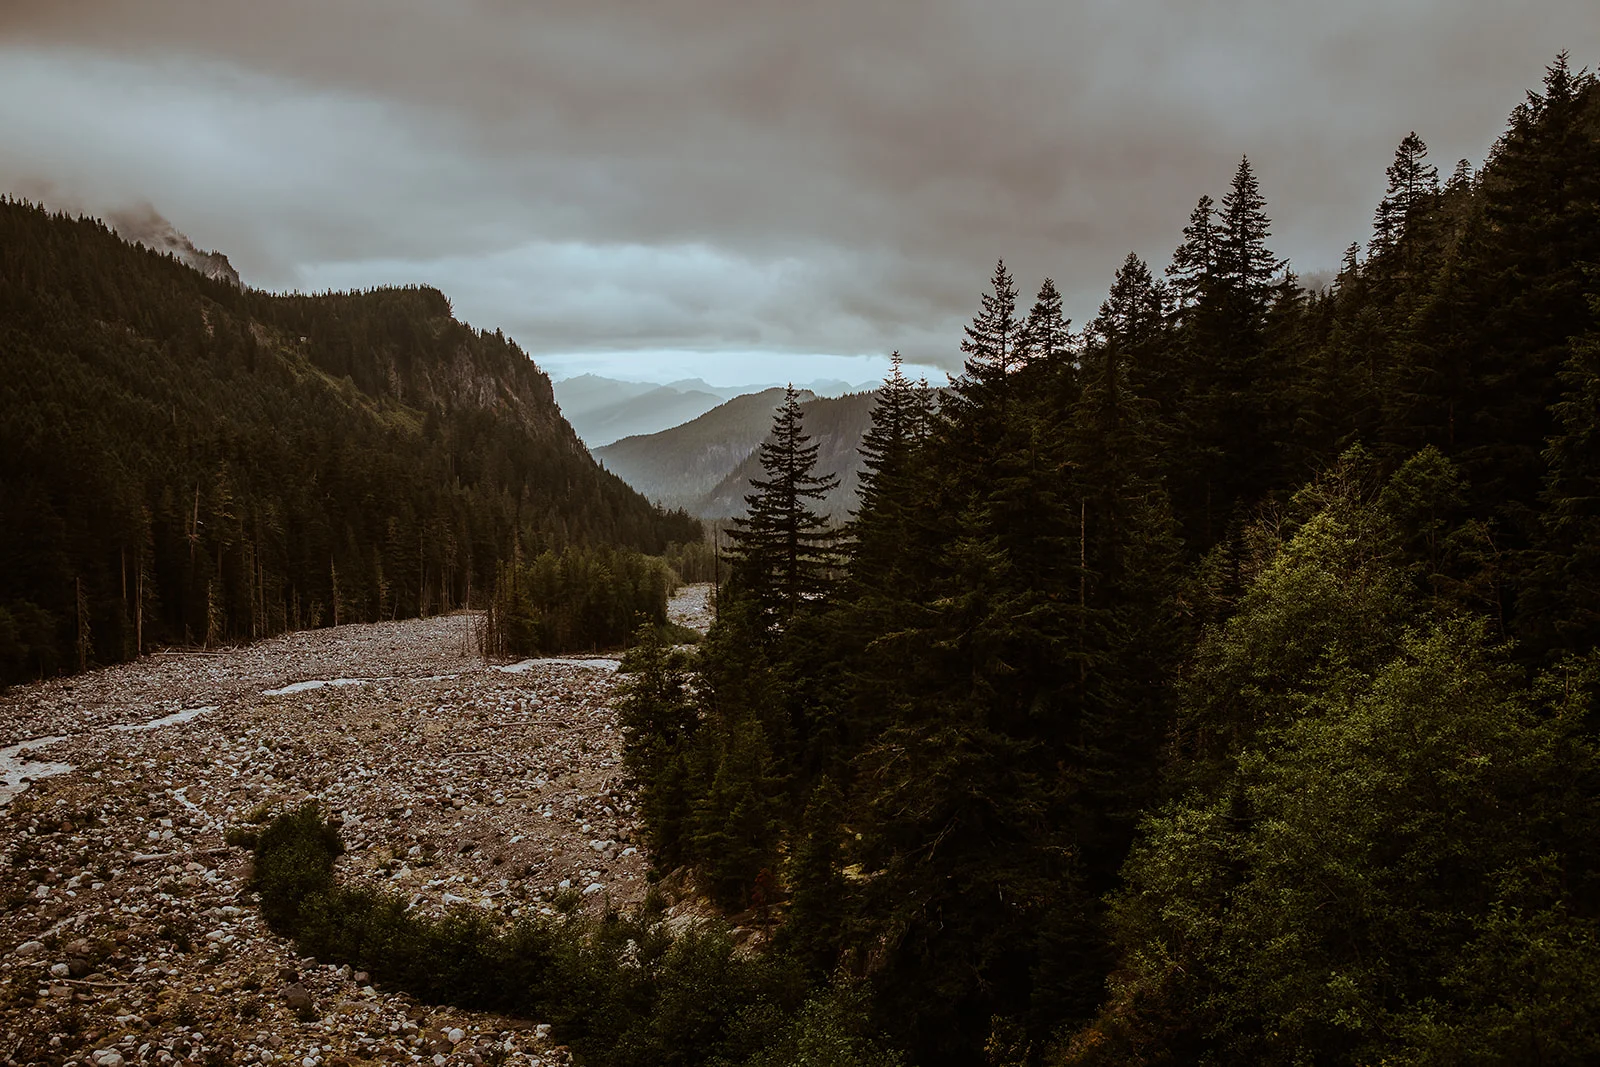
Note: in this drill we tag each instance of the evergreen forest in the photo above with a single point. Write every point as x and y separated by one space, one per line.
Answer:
1213 683
186 462
575 600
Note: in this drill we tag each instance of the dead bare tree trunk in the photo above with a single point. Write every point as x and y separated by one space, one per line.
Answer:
138 609
84 644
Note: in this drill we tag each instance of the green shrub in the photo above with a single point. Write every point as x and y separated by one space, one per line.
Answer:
294 864
621 990
241 837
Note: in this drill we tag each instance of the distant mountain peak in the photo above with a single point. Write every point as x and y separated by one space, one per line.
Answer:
146 226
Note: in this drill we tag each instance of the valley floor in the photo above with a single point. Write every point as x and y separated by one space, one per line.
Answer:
126 932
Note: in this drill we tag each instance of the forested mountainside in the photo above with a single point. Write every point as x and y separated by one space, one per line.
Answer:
837 425
678 467
1217 683
187 461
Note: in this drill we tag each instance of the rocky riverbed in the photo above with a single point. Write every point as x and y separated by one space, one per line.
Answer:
126 932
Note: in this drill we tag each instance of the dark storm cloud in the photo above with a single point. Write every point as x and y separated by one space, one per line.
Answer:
826 176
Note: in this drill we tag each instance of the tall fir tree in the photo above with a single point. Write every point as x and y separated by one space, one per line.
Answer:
1245 266
1047 333
1230 415
1413 184
991 346
782 546
1193 269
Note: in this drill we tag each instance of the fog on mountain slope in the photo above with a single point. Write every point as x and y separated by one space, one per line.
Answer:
603 410
146 226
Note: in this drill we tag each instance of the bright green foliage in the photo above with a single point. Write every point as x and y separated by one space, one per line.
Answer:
1166 709
1387 817
1216 685
1359 886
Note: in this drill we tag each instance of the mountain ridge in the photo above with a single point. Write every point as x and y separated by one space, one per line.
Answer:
191 461
704 466
146 226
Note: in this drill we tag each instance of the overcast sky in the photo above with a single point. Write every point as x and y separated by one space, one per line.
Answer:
747 189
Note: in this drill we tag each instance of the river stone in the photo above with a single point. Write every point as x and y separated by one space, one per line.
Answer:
296 998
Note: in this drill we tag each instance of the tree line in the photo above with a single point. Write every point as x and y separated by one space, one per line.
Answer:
581 598
191 463
1212 683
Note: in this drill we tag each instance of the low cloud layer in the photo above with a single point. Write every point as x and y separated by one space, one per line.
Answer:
756 177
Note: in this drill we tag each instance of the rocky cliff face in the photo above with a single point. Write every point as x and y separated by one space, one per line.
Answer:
146 226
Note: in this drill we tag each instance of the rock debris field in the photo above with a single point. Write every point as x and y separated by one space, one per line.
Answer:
126 932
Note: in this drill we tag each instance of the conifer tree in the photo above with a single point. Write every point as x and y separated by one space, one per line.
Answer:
1245 266
782 547
1132 311
1413 183
1047 333
991 345
659 719
1563 607
886 446
882 522
736 820
1229 430
1194 265
815 926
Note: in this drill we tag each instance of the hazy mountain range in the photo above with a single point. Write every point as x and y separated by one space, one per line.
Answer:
604 410
705 465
